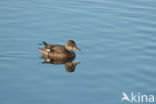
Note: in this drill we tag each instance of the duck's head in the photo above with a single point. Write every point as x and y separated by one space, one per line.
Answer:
70 44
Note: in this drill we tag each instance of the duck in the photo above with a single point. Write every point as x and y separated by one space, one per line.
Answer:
59 51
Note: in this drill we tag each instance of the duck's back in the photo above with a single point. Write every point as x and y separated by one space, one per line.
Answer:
57 51
57 48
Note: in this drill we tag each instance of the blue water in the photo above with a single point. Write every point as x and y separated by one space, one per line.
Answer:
117 39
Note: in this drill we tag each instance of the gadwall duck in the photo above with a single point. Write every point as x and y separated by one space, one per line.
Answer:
59 51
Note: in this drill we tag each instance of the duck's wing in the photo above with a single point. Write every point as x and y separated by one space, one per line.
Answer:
56 48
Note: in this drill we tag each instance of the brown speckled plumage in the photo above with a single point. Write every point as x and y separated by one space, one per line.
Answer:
59 51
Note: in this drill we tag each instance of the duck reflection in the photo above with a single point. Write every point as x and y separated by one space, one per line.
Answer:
69 65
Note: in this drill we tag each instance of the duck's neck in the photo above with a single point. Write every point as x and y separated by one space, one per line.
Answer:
68 48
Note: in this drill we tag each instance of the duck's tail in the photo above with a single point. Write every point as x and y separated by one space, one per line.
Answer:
43 50
44 43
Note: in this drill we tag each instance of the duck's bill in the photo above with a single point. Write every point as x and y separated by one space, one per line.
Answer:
76 63
76 49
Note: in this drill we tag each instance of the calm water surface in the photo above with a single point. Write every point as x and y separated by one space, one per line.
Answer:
117 39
